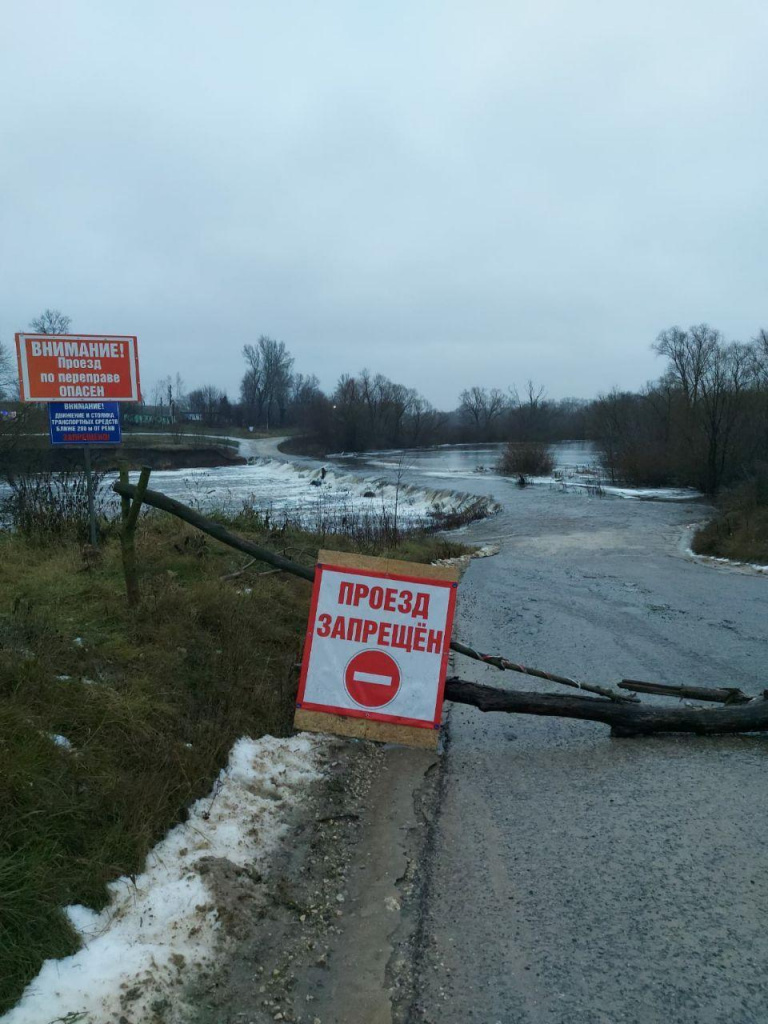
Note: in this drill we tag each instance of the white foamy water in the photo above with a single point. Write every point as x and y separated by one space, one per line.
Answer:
311 494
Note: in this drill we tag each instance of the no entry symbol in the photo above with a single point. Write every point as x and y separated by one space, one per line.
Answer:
372 679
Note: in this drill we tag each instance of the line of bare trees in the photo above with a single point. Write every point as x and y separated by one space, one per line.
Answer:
703 424
490 414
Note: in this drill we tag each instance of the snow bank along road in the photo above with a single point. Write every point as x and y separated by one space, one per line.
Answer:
575 878
164 927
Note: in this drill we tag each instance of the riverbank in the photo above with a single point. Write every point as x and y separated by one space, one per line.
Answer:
135 451
114 721
739 532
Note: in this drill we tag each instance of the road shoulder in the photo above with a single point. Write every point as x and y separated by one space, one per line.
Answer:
323 936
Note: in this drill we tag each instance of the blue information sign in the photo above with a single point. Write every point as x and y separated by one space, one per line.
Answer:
84 422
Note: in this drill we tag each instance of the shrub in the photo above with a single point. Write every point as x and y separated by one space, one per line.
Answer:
740 530
44 506
526 458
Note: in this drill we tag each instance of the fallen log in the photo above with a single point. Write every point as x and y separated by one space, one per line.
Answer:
624 719
718 694
626 715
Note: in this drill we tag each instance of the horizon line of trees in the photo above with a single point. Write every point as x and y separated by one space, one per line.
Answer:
703 423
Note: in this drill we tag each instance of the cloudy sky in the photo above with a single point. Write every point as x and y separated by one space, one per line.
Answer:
447 192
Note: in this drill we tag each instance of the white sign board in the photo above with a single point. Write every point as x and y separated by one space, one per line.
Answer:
377 645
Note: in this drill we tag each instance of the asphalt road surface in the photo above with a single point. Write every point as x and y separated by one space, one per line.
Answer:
576 878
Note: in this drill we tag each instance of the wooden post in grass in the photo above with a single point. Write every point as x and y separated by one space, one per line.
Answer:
130 516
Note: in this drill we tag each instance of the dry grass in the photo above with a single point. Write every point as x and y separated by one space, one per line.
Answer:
740 531
150 700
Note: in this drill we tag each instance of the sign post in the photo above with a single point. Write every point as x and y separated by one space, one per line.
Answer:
377 649
91 503
82 377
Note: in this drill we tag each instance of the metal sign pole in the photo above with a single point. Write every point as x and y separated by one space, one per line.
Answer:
91 504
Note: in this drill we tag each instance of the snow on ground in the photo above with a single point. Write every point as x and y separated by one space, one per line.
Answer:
729 562
654 493
644 493
160 927
60 741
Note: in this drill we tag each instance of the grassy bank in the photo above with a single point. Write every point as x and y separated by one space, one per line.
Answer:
167 439
112 722
740 530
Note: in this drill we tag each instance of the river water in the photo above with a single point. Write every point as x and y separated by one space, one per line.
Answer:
413 484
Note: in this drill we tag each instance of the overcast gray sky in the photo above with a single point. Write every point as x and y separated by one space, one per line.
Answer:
449 193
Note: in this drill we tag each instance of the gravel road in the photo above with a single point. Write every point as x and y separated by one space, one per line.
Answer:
575 878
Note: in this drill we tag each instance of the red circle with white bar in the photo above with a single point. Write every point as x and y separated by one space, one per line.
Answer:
372 679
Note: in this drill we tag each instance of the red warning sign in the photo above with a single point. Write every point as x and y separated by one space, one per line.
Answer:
372 679
78 367
378 641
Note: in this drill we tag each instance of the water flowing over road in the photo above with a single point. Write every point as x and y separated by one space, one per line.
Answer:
575 878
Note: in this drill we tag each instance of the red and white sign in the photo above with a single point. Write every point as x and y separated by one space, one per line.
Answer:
377 646
78 367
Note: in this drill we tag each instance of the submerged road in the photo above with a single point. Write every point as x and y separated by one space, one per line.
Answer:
580 879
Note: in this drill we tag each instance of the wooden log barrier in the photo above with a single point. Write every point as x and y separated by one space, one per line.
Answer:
624 719
621 711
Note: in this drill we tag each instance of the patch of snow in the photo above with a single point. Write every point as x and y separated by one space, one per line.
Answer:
486 551
60 741
159 927
715 560
654 493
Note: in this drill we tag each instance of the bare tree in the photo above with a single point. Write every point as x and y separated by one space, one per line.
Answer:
9 384
690 354
472 402
208 402
704 423
531 413
51 321
266 385
760 344
305 399
482 407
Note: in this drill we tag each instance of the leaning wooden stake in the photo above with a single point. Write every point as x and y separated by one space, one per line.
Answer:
718 694
512 666
130 515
